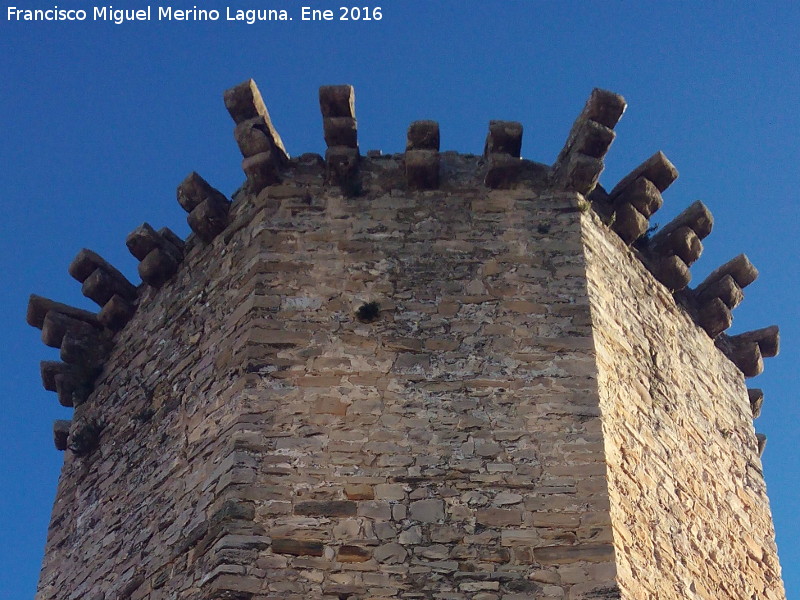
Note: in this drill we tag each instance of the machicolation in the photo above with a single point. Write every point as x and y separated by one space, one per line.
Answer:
418 375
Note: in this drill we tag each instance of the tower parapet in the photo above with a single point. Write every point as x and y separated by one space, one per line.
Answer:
410 375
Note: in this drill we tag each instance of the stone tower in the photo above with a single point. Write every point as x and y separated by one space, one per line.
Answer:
426 375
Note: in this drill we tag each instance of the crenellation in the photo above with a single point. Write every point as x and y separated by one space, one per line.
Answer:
414 375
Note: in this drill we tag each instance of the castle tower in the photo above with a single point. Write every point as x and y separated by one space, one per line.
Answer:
423 375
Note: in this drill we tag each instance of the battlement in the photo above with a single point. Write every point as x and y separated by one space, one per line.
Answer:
275 181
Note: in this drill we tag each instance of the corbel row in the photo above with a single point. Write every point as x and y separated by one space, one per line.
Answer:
580 162
670 252
83 342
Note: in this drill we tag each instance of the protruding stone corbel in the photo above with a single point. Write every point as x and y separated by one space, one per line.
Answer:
761 443
337 104
580 162
100 280
740 270
56 324
244 103
643 195
767 338
159 257
756 396
144 239
672 271
714 317
207 206
502 151
657 169
682 236
116 313
725 288
157 267
38 307
422 155
629 224
72 385
746 355
61 434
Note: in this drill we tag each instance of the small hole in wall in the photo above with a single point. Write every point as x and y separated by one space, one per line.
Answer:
368 312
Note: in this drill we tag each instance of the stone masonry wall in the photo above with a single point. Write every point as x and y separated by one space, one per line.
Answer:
689 508
263 442
127 515
450 448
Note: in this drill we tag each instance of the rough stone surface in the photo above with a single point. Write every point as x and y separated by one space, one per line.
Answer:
689 509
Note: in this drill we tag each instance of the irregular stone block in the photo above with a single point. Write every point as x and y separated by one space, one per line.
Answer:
330 508
353 554
427 511
629 224
422 169
337 101
564 555
261 171
209 218
756 396
643 195
340 131
657 169
715 317
157 268
116 313
504 137
38 307
244 102
499 517
423 135
359 491
194 190
61 434
392 553
297 547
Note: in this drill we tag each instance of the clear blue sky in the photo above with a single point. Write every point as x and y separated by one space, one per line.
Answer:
100 122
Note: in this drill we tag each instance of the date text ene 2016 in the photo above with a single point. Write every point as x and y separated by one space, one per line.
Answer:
343 13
